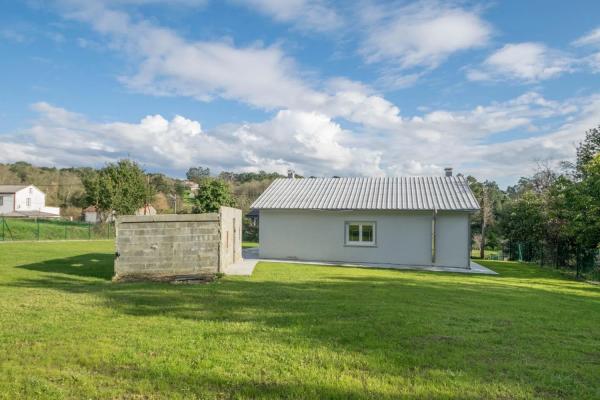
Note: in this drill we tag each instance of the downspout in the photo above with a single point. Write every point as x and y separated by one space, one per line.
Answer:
469 241
433 229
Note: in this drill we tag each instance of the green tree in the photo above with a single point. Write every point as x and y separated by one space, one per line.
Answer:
490 199
587 150
212 194
523 223
197 174
121 187
583 210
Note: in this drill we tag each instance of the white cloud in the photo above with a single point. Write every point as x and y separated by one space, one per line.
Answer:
262 76
170 65
423 34
499 141
305 14
308 141
592 38
529 62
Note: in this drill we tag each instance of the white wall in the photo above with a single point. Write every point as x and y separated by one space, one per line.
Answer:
453 239
401 237
38 199
7 203
91 217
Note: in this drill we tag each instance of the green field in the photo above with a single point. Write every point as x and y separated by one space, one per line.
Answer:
15 229
291 331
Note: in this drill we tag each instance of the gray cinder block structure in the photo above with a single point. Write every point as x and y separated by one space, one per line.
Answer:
164 247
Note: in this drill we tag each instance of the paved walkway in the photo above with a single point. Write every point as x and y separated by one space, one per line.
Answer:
246 267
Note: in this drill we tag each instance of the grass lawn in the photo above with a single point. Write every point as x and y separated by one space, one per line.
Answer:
291 331
248 245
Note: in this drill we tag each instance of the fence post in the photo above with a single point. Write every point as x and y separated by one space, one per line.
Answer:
37 233
3 229
65 232
89 231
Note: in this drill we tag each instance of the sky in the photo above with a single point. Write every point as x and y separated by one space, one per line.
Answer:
363 88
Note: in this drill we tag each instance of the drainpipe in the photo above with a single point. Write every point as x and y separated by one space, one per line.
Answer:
433 229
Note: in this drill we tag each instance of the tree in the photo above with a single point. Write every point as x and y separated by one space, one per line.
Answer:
490 198
587 150
121 187
212 194
583 210
197 174
523 223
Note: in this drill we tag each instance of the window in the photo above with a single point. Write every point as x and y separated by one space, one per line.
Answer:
1 200
28 202
360 233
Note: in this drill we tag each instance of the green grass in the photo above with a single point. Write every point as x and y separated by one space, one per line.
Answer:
27 229
291 331
249 245
488 253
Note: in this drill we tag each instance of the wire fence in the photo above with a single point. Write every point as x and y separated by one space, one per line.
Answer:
18 229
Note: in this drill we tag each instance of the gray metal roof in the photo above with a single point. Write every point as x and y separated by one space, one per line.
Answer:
404 193
11 188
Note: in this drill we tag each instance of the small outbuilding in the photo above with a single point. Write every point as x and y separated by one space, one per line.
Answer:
415 221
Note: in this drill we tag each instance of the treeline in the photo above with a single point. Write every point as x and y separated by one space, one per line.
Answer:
73 189
552 217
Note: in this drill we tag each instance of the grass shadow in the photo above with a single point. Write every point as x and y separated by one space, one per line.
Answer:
93 265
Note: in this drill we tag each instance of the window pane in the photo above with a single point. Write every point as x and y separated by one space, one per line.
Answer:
353 233
367 233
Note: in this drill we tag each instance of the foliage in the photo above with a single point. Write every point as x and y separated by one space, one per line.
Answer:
212 194
523 223
244 177
587 150
121 187
249 231
197 174
551 217
291 331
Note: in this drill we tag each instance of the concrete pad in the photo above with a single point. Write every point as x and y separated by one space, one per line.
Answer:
245 267
475 268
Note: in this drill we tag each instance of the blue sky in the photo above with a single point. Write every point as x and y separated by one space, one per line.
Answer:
346 88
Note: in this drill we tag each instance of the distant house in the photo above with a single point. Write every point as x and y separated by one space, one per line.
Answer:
146 210
92 215
418 221
192 186
25 201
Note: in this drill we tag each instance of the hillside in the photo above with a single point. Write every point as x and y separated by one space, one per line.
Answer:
64 186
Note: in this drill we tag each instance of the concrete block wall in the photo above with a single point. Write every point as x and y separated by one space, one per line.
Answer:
162 246
231 235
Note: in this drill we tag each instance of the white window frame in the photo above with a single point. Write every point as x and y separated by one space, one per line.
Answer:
360 242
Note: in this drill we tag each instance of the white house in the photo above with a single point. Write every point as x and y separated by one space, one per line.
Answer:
417 221
91 215
25 201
